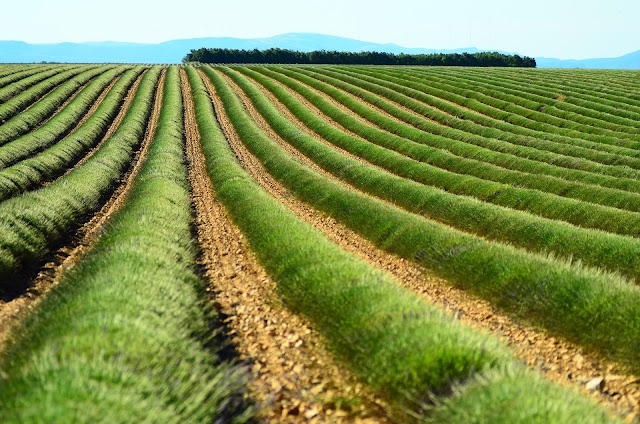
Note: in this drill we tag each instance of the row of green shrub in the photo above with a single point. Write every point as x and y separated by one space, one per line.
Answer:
594 248
31 223
405 348
127 334
48 164
20 81
530 122
29 117
575 90
567 169
609 82
585 108
547 110
509 136
525 119
597 310
378 152
477 161
59 124
26 97
12 73
488 143
411 142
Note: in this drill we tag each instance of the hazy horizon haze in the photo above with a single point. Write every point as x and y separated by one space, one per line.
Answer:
560 28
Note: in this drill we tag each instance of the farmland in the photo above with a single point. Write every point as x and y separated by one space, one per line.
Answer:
319 243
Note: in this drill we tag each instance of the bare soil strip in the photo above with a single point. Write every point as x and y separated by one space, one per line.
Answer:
66 257
559 361
296 379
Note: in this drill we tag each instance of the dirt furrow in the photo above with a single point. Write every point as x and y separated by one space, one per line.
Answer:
296 379
607 382
11 310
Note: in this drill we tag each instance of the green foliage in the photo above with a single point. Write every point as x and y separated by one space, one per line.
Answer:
60 124
536 202
547 175
122 337
396 342
568 299
17 121
594 248
33 168
31 223
319 57
15 83
565 145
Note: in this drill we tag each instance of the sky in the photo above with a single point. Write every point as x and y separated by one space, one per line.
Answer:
565 29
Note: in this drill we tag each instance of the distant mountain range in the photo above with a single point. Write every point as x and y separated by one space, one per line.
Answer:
628 61
173 51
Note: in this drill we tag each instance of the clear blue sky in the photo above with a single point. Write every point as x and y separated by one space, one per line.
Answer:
567 29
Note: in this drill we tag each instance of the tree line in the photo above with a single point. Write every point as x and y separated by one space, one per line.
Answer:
325 57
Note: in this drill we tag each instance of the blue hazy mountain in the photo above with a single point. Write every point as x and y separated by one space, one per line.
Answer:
628 61
173 51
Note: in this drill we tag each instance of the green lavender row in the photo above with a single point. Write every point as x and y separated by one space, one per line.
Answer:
582 107
126 335
576 92
31 172
27 97
400 345
11 73
564 150
589 307
593 119
60 124
524 119
31 223
479 162
595 248
45 107
400 138
463 142
378 152
34 74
